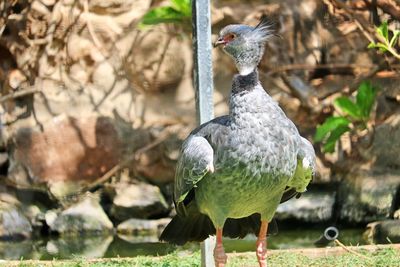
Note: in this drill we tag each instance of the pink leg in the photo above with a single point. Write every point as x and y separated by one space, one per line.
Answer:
262 244
219 252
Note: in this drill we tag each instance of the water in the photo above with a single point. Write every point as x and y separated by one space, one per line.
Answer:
114 246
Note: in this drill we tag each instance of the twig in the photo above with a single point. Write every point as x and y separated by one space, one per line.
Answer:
351 14
350 250
160 62
313 67
19 94
387 6
361 25
90 26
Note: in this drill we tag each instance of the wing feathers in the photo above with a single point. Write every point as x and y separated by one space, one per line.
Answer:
195 162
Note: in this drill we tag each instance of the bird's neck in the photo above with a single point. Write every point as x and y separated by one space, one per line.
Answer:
242 83
248 103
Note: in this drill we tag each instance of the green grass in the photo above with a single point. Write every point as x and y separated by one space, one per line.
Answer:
382 258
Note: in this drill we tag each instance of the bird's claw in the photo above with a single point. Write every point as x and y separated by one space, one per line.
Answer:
262 252
220 256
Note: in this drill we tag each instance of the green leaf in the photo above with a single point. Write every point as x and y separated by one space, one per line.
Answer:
335 135
372 45
165 14
347 106
365 98
396 34
383 30
380 46
183 6
328 126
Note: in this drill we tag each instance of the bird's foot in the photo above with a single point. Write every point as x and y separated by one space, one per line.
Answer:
220 256
262 252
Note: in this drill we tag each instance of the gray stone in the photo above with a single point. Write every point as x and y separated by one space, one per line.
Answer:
3 160
138 201
383 232
386 143
142 227
366 197
85 217
13 223
311 207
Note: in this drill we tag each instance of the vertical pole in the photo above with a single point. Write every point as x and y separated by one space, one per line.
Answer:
203 83
203 75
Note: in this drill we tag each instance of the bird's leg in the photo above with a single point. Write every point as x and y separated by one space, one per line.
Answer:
262 244
219 252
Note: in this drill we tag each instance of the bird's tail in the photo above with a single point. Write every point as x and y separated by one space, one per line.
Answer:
197 227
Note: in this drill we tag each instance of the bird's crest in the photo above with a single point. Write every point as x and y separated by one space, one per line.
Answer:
264 30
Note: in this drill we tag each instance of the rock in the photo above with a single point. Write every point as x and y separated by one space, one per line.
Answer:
13 223
3 162
35 215
365 197
138 201
86 149
85 217
312 207
158 66
386 143
396 214
142 227
383 232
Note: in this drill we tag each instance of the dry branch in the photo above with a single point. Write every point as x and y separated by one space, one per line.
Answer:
390 7
19 94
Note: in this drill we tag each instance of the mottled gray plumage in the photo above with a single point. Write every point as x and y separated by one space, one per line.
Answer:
235 169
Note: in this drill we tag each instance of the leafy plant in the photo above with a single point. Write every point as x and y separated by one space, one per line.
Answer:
388 39
355 117
178 12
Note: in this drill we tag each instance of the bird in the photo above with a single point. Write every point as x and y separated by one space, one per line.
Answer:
233 171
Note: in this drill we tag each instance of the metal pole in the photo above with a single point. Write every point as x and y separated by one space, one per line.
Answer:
203 82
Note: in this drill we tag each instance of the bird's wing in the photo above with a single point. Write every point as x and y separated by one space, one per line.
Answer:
197 156
195 162
305 168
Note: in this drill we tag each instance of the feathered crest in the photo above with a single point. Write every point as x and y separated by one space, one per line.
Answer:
264 29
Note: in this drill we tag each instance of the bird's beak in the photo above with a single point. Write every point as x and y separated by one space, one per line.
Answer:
220 41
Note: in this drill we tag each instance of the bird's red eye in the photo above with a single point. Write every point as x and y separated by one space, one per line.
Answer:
230 37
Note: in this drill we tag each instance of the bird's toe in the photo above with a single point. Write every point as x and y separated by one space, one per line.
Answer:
220 256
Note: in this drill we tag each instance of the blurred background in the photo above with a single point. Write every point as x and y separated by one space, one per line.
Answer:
96 98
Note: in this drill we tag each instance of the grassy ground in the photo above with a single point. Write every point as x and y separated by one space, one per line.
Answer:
383 258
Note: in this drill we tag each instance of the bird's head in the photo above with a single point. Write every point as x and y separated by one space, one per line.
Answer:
245 44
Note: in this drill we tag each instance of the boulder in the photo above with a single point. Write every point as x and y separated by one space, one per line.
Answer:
67 150
13 223
139 200
312 207
386 143
142 226
383 232
368 196
3 161
85 217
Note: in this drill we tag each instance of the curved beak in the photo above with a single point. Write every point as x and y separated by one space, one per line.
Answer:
220 41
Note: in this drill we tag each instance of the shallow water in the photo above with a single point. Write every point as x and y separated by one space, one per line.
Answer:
114 246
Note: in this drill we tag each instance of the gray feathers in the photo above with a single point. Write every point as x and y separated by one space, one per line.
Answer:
196 160
235 170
